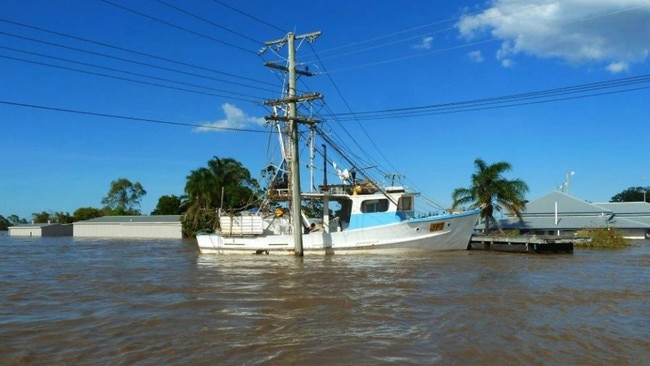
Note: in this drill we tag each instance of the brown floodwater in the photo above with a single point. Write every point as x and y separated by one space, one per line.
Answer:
66 301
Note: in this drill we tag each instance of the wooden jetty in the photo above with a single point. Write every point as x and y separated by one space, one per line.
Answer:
520 244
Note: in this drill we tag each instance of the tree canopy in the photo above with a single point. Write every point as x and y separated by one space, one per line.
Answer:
204 188
490 191
49 217
169 205
632 194
124 197
4 223
87 213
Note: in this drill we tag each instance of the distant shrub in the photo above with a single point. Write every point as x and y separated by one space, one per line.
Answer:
602 238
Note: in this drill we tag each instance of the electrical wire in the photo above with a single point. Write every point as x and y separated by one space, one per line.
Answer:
120 71
261 21
209 22
548 95
139 53
58 45
129 118
123 78
178 27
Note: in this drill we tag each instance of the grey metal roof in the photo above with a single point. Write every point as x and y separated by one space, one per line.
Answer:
565 203
627 208
572 223
574 213
135 219
41 225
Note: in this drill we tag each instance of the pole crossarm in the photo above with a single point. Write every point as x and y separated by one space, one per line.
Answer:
311 37
286 69
305 120
294 99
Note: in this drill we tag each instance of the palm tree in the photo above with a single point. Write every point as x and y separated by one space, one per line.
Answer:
490 191
204 187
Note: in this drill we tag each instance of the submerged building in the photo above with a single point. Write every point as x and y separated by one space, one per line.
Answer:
559 214
145 227
40 230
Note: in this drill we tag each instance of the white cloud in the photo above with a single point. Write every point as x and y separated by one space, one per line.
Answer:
235 119
476 56
425 44
607 32
618 67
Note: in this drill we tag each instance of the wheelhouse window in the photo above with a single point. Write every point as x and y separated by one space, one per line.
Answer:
370 206
405 204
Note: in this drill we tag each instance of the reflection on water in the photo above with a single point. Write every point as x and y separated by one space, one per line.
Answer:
72 301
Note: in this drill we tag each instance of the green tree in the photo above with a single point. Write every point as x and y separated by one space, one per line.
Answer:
63 218
87 213
490 191
15 220
124 197
42 217
204 189
4 223
169 205
632 194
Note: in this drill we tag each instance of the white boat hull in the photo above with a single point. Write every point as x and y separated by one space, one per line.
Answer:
440 233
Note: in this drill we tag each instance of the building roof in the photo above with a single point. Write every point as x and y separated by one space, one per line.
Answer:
627 208
38 224
574 213
572 222
133 219
566 204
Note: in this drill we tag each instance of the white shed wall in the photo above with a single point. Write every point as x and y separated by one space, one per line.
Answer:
129 230
41 230
24 231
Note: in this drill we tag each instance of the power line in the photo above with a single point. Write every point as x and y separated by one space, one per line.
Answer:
116 70
338 91
123 78
250 16
139 53
401 58
408 30
178 27
543 96
137 119
420 54
209 22
127 60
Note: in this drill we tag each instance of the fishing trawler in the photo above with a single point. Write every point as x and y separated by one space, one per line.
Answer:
356 215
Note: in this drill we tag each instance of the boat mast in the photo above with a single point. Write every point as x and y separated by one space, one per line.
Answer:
294 120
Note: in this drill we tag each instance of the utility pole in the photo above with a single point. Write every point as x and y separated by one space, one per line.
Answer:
293 120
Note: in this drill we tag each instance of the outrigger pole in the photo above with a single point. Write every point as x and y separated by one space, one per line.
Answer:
293 119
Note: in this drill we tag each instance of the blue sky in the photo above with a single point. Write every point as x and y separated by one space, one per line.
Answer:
181 64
